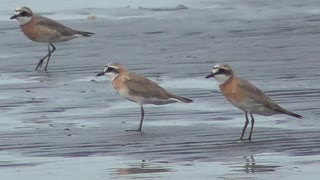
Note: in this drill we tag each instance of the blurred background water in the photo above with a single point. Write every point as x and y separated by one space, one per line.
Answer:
251 9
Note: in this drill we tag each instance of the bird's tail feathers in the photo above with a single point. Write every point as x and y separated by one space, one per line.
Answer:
85 34
182 99
284 111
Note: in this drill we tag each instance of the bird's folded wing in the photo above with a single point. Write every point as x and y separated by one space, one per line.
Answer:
140 86
255 95
51 25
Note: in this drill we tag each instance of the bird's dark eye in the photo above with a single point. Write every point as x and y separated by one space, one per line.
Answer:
110 69
24 14
223 71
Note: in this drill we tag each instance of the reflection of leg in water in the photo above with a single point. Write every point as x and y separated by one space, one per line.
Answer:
250 164
252 167
253 164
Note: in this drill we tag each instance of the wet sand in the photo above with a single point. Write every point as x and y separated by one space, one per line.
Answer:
68 124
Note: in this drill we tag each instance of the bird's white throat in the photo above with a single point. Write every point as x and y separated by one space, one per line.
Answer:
111 75
221 78
24 20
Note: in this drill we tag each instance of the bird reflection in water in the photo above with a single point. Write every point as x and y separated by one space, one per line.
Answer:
252 167
143 168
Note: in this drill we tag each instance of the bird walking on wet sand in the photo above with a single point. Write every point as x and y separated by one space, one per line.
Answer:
44 30
245 96
138 89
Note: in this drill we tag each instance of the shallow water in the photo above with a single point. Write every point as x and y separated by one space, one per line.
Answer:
68 124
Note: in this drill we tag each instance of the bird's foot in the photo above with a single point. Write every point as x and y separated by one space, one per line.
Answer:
135 130
39 64
241 140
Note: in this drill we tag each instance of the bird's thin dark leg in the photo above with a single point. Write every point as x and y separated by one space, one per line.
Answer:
42 59
53 49
245 126
252 125
141 120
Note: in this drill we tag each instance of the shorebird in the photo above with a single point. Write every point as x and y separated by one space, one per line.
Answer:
245 96
44 30
138 89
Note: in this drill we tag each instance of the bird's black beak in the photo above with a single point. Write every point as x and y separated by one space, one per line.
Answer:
210 75
100 73
14 17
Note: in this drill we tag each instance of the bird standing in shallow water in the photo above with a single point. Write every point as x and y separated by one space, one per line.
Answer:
138 89
245 96
44 30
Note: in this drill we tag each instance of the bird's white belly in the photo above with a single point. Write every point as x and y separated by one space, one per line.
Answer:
142 100
64 38
54 39
253 107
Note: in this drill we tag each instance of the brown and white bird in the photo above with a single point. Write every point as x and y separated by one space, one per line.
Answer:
245 96
138 89
44 30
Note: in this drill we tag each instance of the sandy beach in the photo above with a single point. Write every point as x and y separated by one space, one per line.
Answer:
69 124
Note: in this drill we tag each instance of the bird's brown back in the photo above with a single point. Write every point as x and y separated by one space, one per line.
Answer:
140 86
